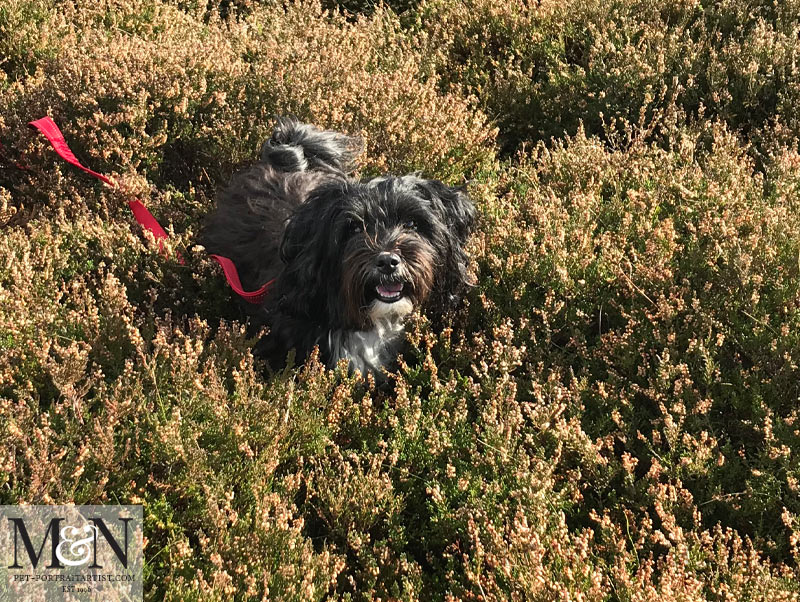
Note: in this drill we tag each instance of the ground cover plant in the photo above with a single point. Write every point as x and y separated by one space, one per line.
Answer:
614 413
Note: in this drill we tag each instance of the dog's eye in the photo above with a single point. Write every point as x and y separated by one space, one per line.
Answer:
410 225
355 228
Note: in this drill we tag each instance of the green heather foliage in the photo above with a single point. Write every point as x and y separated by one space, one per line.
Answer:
614 414
542 68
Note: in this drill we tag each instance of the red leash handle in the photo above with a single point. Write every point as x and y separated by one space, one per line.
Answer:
50 130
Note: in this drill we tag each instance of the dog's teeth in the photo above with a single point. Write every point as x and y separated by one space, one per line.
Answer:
389 291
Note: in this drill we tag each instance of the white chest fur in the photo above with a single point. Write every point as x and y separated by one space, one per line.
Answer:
370 350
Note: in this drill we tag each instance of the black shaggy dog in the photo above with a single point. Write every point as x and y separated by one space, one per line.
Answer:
350 258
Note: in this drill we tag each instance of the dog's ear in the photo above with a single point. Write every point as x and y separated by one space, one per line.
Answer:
458 213
306 232
296 231
309 254
454 204
299 283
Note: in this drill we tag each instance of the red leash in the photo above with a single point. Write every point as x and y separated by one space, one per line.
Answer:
50 130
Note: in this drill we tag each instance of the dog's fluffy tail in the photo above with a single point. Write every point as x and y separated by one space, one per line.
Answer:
296 146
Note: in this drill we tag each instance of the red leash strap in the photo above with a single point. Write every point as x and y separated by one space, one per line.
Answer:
50 130
232 276
146 220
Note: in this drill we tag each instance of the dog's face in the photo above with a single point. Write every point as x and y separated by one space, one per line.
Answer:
362 252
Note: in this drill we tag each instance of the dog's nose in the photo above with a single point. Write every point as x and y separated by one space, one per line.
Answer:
387 262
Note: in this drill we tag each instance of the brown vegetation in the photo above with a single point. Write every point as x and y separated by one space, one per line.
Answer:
613 415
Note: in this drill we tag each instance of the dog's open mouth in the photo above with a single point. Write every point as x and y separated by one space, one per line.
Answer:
389 292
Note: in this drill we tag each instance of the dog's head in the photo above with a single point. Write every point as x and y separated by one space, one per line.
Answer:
357 253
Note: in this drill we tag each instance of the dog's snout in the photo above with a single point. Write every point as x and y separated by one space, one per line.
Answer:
387 262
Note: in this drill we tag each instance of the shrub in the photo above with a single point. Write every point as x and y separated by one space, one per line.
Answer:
542 69
611 415
660 283
142 86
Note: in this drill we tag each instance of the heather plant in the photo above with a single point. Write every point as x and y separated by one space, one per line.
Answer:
666 325
612 414
153 90
543 69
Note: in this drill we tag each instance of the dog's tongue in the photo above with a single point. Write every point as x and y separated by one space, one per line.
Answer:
389 290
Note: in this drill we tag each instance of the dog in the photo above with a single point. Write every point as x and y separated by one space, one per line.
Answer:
350 258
